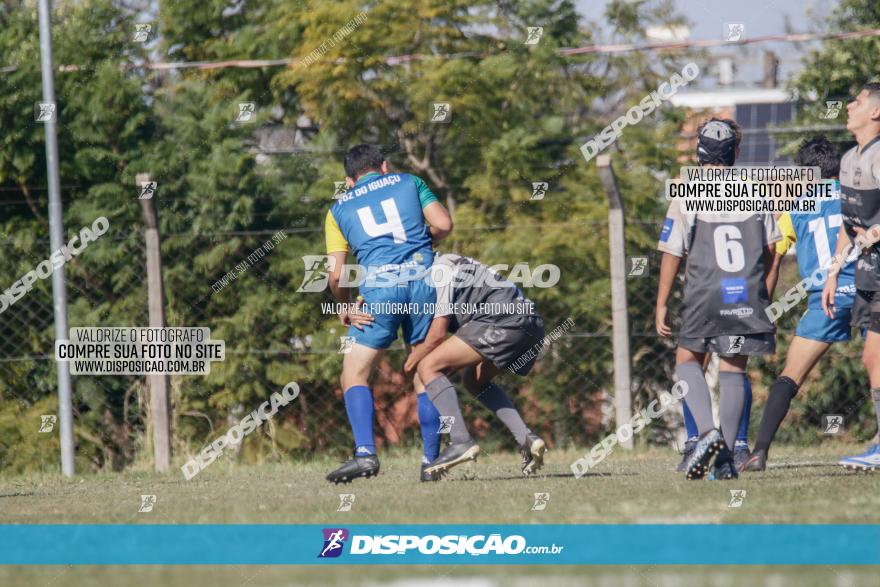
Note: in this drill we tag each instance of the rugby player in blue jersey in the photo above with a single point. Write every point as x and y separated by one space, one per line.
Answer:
389 221
815 238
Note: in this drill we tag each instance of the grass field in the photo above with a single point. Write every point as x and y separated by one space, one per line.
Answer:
804 485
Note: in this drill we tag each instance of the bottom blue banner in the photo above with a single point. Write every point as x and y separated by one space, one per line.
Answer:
172 544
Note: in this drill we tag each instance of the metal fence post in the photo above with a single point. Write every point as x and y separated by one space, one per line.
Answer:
56 236
160 409
619 315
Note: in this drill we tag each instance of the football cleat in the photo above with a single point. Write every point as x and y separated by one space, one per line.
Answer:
741 454
688 451
532 451
360 466
708 445
428 477
452 455
725 467
867 461
757 462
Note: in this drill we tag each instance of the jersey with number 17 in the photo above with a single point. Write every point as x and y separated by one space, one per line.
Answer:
381 220
816 236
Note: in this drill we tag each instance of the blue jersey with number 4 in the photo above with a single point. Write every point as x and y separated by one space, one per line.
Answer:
381 219
816 234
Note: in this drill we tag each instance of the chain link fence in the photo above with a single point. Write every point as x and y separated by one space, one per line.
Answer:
274 334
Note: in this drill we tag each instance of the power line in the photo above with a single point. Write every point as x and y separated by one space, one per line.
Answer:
401 59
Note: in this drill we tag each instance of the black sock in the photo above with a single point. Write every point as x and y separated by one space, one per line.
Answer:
781 394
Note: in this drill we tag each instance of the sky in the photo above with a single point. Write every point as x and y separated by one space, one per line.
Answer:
708 19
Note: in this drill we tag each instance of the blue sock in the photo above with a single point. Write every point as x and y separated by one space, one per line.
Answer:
689 423
743 434
429 420
359 406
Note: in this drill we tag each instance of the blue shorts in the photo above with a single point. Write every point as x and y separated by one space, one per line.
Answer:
816 325
408 305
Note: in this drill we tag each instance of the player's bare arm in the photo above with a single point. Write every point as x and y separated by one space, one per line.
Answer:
669 265
439 221
353 316
772 261
337 261
841 251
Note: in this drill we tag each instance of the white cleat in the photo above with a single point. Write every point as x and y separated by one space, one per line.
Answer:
867 461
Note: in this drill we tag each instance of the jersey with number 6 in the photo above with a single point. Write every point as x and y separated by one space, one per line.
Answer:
380 219
725 291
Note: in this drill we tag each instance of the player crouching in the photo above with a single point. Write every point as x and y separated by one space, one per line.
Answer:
495 327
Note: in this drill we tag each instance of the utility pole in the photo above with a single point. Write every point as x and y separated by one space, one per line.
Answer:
159 384
56 236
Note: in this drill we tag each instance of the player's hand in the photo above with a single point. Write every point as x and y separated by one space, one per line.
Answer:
864 237
828 294
356 317
662 322
412 361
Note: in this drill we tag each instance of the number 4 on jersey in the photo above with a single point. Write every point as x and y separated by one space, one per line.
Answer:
392 224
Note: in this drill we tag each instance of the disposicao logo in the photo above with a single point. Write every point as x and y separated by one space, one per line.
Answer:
334 540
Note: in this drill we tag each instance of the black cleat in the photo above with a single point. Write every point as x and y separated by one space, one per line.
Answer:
532 451
360 466
688 451
757 462
708 445
453 454
725 467
741 455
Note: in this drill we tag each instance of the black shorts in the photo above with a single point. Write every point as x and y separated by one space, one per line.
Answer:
866 310
508 341
729 345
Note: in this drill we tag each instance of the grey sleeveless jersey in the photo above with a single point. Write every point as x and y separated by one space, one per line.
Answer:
467 290
725 291
860 204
